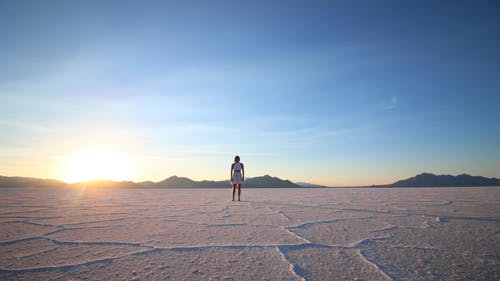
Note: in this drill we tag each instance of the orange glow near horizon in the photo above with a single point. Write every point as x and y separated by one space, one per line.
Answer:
99 162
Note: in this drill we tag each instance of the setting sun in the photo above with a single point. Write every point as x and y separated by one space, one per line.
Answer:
100 162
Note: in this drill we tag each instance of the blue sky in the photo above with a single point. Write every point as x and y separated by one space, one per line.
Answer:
331 92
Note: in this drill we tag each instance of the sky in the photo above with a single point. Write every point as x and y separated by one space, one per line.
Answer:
329 92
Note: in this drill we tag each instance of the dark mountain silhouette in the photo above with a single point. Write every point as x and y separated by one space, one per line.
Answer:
431 180
176 182
268 181
183 182
310 185
256 182
171 182
29 182
422 180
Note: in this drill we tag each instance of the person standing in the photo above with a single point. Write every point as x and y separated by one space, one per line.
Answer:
237 176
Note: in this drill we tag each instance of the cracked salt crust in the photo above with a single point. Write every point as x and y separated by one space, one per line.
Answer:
275 234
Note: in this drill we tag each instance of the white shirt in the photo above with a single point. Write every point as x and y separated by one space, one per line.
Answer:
237 166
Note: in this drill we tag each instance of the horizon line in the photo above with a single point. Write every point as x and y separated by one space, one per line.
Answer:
301 183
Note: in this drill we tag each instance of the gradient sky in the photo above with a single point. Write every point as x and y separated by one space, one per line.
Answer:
329 92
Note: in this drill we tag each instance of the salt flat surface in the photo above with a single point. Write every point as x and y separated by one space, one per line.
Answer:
274 234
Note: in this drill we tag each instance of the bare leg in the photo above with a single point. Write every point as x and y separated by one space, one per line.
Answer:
239 191
234 190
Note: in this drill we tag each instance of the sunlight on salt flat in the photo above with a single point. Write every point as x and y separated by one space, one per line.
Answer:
273 234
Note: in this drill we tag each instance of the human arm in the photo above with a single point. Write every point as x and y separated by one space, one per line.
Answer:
242 172
231 173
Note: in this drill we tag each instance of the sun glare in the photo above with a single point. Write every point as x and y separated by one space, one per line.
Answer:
100 162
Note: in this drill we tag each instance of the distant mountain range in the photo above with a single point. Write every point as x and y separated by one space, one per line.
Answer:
431 180
29 182
421 180
311 185
256 182
171 182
